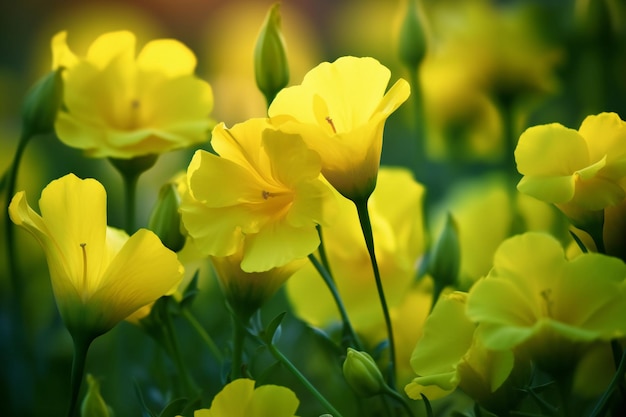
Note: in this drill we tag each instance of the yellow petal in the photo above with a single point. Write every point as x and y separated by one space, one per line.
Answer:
551 150
112 45
167 56
74 212
62 56
605 134
231 401
277 244
396 95
272 400
142 271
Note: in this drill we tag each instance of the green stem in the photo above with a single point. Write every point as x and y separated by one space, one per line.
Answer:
366 227
427 406
16 282
330 283
396 396
603 404
287 363
322 250
131 170
204 335
239 334
130 197
81 347
174 348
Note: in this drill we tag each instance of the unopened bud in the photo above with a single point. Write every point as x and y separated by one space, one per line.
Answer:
165 220
93 405
412 39
445 257
362 374
41 105
271 68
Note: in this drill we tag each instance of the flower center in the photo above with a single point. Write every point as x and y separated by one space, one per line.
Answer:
332 125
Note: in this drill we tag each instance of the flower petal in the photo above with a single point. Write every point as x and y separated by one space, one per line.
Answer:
272 400
112 45
167 56
231 401
142 271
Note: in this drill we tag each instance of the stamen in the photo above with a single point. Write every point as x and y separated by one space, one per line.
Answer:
330 122
545 294
134 104
82 246
266 194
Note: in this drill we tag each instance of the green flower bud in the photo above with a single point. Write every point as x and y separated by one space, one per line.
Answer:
362 374
412 40
42 102
165 219
445 257
93 405
271 68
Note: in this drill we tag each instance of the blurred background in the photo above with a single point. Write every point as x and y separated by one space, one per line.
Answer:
491 69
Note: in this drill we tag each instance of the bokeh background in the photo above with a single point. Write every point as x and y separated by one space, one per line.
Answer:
492 68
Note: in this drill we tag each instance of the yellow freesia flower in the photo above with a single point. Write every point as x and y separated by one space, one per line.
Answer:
536 301
121 106
99 275
239 398
264 192
449 356
580 170
340 110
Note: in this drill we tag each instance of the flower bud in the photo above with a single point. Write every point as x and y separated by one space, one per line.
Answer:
445 257
42 102
271 68
362 374
165 219
412 39
93 405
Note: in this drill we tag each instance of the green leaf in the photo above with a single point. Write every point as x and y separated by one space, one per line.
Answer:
271 330
174 408
190 292
145 411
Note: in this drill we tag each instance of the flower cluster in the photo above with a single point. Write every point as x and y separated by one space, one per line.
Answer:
292 263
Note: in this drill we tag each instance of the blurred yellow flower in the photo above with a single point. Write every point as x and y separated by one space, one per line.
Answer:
264 192
397 222
536 301
239 398
99 275
449 356
121 106
576 170
340 110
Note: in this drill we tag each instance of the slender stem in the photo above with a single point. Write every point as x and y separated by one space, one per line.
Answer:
366 227
330 283
204 335
287 363
16 282
322 250
427 406
81 347
130 197
174 348
396 396
239 334
603 404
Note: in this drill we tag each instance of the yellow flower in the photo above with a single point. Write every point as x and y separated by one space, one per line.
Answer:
536 301
239 398
264 192
580 170
246 292
121 106
448 355
340 110
99 275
